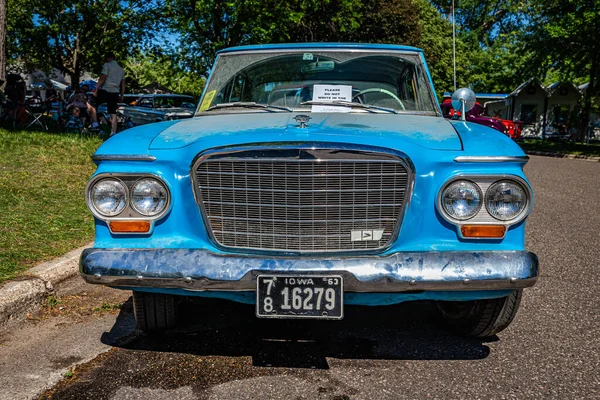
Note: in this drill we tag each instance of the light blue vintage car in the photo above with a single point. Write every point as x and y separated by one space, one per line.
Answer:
315 177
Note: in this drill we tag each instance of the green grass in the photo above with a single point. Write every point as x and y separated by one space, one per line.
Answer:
42 202
592 149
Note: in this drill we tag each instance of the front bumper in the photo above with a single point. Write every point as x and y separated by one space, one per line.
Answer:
201 270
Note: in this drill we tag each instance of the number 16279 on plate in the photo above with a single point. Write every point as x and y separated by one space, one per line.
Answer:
300 296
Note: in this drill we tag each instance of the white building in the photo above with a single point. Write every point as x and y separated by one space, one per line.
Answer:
542 109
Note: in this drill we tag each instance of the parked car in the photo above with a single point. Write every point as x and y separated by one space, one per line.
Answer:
362 194
102 110
160 107
514 129
476 114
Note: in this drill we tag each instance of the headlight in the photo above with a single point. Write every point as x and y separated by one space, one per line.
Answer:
461 200
148 197
505 200
109 197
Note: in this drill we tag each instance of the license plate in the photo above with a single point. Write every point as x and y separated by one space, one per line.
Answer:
300 296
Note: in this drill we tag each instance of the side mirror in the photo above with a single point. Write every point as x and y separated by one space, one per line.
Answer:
464 100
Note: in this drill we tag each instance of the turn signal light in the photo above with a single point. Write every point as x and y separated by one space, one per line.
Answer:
130 226
483 231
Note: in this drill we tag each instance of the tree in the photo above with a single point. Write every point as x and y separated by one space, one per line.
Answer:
436 42
146 69
3 11
487 19
73 36
490 41
565 37
209 26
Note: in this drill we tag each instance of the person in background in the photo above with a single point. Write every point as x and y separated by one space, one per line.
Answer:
111 88
80 107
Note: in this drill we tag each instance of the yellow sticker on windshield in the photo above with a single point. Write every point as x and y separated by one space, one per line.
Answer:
208 98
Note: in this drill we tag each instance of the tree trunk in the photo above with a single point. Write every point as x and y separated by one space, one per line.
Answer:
590 95
3 14
75 75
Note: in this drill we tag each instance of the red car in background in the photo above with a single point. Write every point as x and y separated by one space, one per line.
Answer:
476 114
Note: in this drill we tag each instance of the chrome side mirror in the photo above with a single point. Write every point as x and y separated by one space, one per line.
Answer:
464 100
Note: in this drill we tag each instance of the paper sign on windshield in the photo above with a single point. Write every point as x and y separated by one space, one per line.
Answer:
331 93
208 98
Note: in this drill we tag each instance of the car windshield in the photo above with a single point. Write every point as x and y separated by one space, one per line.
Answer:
319 81
174 101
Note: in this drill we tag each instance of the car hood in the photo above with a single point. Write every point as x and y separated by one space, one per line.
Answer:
225 129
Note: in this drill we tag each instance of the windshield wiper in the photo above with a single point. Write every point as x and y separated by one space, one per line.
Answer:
348 104
248 104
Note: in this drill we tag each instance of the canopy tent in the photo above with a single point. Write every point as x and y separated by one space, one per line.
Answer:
155 88
58 86
37 86
91 84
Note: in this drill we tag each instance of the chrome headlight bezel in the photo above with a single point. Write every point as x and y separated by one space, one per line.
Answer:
483 217
129 213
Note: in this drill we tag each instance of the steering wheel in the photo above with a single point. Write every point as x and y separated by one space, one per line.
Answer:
380 90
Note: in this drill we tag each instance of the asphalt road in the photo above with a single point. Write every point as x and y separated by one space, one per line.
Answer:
552 349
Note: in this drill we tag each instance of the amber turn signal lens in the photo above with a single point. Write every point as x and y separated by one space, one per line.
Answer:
483 231
130 226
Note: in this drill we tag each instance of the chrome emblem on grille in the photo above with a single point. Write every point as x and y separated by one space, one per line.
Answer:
302 120
366 235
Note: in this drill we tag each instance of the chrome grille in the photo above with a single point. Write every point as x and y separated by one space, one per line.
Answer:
301 200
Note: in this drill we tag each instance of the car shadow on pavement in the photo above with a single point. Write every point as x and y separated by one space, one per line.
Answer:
210 327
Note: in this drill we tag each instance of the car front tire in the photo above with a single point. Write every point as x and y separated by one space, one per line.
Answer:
153 311
480 318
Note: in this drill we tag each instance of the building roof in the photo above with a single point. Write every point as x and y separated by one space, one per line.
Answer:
552 88
530 81
332 45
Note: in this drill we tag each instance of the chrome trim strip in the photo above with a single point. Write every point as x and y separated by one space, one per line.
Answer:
201 270
123 157
217 151
491 159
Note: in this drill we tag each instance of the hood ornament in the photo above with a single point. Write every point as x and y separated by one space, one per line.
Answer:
302 119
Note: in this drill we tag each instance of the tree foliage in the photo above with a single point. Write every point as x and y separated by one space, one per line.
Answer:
209 26
145 69
564 40
73 35
500 43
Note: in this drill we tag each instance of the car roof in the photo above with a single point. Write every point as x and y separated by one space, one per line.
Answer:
299 46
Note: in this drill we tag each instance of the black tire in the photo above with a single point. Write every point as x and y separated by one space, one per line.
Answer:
480 318
154 312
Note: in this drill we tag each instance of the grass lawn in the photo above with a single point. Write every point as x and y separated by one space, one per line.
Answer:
42 202
592 149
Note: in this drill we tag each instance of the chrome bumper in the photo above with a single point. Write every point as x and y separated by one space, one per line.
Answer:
199 270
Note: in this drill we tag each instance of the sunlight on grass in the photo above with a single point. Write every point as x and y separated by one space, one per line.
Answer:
42 203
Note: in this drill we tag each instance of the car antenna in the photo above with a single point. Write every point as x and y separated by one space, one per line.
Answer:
454 44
